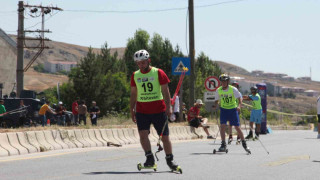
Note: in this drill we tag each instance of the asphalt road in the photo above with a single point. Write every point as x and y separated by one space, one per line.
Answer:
293 155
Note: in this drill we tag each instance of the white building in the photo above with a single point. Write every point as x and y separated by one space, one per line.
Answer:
312 93
56 66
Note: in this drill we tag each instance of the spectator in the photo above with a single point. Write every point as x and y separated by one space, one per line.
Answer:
23 114
2 112
75 111
60 110
195 120
318 116
184 111
94 113
82 111
176 108
42 112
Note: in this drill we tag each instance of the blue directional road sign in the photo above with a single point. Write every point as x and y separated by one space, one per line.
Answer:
179 64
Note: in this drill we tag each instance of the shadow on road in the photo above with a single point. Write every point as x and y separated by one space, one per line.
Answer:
122 172
316 161
201 153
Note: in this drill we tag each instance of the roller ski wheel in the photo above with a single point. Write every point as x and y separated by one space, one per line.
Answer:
248 151
177 169
140 166
217 151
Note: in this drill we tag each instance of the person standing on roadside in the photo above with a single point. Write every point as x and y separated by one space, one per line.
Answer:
150 104
75 113
318 116
82 110
2 111
94 113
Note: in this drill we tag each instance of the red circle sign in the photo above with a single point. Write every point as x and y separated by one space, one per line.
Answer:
212 83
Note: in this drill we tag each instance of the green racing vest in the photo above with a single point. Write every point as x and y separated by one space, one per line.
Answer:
227 99
256 104
148 86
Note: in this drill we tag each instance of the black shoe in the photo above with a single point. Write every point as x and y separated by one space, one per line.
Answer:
223 146
171 163
249 135
150 160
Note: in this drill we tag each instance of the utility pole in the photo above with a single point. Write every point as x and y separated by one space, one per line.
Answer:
19 76
21 39
191 52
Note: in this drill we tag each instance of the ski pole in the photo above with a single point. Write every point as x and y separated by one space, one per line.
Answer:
260 142
218 130
172 102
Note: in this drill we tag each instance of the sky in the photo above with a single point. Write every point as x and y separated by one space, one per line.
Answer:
278 36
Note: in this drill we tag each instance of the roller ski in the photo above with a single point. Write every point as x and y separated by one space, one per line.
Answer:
173 165
230 139
246 148
223 148
238 140
149 164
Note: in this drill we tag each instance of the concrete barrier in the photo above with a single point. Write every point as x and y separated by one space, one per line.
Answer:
22 137
65 138
13 140
201 132
184 133
132 135
93 137
122 137
136 133
3 152
57 138
97 132
31 136
191 134
116 136
172 135
127 136
50 140
213 130
108 136
79 137
86 137
4 143
177 131
173 131
73 139
42 140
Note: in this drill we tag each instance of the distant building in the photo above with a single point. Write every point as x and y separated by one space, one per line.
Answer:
8 62
304 78
287 78
257 73
54 66
312 93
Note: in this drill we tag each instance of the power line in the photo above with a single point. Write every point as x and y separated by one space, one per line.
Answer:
44 20
154 10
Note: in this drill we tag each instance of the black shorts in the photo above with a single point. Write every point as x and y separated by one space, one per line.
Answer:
319 118
158 120
195 122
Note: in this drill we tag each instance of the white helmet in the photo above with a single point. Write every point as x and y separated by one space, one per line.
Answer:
141 55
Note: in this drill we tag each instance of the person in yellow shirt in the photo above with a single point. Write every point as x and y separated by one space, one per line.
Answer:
42 112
